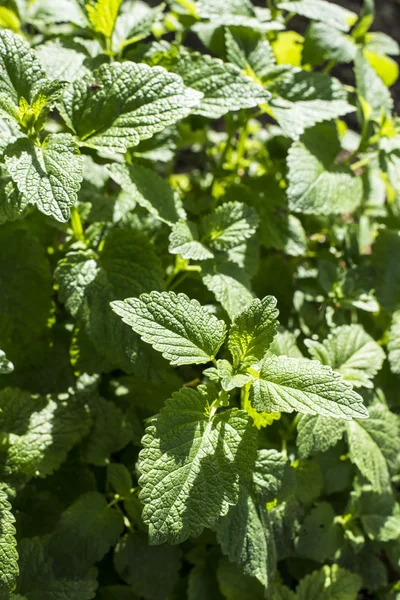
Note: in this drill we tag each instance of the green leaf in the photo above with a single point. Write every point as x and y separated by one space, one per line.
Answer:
374 446
39 578
318 434
8 552
246 538
21 76
151 571
23 316
351 351
229 285
285 342
41 431
122 103
325 43
319 536
380 516
192 466
230 378
148 189
248 51
119 478
88 281
183 240
229 225
103 15
301 99
60 61
181 329
223 87
236 12
320 10
331 583
288 384
317 185
84 534
253 331
235 585
384 258
6 365
394 344
110 433
269 473
48 175
371 88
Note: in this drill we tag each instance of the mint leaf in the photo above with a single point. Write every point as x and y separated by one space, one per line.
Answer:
230 285
179 502
288 384
387 268
120 104
48 175
319 537
103 15
320 10
374 446
184 241
246 538
371 88
331 583
301 99
230 378
253 331
180 328
6 365
317 185
85 532
352 352
146 188
8 552
229 225
150 571
41 431
318 434
394 344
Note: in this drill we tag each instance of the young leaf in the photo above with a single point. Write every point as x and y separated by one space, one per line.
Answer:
151 571
229 225
185 332
352 352
84 534
231 379
21 75
8 552
317 185
288 384
230 285
394 344
253 331
192 466
103 15
48 175
120 104
374 446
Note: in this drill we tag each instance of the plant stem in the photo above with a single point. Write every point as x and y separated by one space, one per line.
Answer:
76 225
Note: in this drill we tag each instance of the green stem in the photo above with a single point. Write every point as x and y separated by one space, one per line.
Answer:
76 225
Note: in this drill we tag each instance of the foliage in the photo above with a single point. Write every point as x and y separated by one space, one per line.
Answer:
199 302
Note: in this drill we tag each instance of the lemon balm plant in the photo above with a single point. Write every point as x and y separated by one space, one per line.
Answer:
199 302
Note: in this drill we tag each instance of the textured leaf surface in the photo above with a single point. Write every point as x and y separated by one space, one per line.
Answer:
320 10
331 583
229 225
351 351
21 74
371 87
180 328
8 552
319 536
323 42
288 384
151 571
223 86
88 282
40 431
230 287
318 434
316 184
131 103
49 175
192 466
103 15
269 472
147 189
394 344
246 538
302 99
253 331
374 446
85 532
